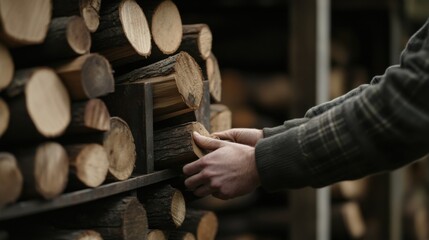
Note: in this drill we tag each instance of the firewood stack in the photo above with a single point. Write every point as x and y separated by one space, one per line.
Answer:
73 110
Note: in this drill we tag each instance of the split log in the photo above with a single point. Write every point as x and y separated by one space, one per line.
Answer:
24 22
156 234
10 178
45 170
197 41
175 146
67 37
165 207
88 117
39 106
113 218
165 25
87 9
6 67
88 163
121 150
220 118
177 85
123 33
214 77
4 116
54 234
179 235
203 224
87 76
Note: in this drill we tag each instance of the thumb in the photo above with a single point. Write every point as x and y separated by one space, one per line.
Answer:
206 142
225 135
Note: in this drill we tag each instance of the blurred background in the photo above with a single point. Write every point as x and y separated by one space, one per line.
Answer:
267 51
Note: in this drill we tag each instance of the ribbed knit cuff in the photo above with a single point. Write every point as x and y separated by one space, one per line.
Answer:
280 161
268 132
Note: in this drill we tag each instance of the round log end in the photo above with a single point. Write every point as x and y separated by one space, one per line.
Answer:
78 35
189 80
91 18
97 77
156 234
188 236
214 77
25 22
166 27
10 178
48 102
199 128
92 165
178 208
4 116
51 169
6 67
205 41
89 235
135 26
135 225
97 115
207 228
121 150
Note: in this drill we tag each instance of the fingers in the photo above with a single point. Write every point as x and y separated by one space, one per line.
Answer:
203 191
225 135
195 181
193 167
206 142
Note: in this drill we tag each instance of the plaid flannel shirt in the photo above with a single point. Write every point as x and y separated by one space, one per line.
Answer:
376 127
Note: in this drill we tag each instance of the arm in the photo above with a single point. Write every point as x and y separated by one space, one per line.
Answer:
381 128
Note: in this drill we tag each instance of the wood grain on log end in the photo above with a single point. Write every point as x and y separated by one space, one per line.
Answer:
97 115
17 30
89 163
214 77
6 67
197 36
10 178
4 116
220 118
90 12
135 27
166 27
156 234
178 208
121 150
207 228
78 35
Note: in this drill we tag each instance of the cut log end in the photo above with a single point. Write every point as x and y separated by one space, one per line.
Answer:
6 67
121 150
189 80
78 36
156 234
178 208
214 77
48 102
97 76
220 118
4 116
207 228
90 163
135 27
134 220
97 115
51 169
31 29
10 178
167 27
199 128
205 42
91 18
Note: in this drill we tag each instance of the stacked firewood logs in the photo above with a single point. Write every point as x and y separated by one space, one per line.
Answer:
73 74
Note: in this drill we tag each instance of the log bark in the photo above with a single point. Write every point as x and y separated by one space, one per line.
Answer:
156 234
16 30
39 106
88 163
214 77
175 146
87 9
165 25
220 118
55 234
203 224
165 207
10 178
7 67
123 34
119 144
45 170
197 41
113 218
67 37
88 76
177 85
179 235
88 117
4 116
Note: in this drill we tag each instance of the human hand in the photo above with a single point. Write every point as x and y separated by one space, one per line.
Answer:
247 136
228 171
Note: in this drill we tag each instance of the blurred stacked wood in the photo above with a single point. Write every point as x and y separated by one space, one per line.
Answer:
202 224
